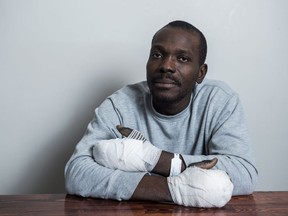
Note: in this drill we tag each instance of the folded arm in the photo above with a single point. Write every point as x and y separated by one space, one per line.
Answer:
85 177
228 140
191 182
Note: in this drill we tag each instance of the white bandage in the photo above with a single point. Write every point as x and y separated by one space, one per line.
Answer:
126 154
203 188
176 164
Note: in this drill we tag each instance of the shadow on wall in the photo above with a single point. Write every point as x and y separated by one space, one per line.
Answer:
50 177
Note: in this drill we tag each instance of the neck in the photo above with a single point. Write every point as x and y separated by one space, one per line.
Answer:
170 108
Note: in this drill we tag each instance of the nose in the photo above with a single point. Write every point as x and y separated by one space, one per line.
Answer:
167 65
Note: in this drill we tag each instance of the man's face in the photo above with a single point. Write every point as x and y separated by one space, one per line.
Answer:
173 66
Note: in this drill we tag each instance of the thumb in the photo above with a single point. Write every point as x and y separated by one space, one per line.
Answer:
205 164
125 131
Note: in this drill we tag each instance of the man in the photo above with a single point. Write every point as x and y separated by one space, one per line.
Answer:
177 111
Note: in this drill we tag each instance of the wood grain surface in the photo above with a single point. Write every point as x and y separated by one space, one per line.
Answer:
260 203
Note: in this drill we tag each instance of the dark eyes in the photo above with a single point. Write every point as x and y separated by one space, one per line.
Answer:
156 55
180 58
183 59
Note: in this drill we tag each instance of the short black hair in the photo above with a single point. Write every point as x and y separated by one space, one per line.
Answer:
189 27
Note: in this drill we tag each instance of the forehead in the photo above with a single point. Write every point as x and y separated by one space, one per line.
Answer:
177 38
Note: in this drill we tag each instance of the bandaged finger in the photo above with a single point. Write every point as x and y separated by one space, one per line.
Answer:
203 188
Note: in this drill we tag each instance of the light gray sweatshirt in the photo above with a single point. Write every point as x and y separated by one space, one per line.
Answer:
213 125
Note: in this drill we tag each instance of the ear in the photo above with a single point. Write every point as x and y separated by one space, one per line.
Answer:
202 73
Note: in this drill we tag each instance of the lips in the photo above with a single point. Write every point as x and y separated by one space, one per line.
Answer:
165 83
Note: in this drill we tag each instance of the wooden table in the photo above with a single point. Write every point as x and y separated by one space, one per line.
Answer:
260 203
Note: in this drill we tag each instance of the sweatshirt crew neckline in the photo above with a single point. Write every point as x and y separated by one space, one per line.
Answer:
179 116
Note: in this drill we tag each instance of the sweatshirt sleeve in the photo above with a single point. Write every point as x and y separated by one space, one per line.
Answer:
84 177
229 141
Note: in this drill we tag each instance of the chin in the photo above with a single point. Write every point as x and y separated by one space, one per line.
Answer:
165 98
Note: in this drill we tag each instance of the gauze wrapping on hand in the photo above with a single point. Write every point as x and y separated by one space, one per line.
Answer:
126 154
203 188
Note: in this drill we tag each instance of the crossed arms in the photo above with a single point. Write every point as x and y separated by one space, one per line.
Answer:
197 186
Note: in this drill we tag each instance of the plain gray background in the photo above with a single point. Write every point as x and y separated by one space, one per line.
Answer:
60 59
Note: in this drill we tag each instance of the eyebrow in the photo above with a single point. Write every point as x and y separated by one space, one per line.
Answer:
182 51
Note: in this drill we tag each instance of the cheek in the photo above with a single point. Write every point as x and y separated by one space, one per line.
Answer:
148 72
150 65
150 68
189 77
191 74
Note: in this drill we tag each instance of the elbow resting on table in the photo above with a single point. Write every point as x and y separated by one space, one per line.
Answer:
73 184
246 185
